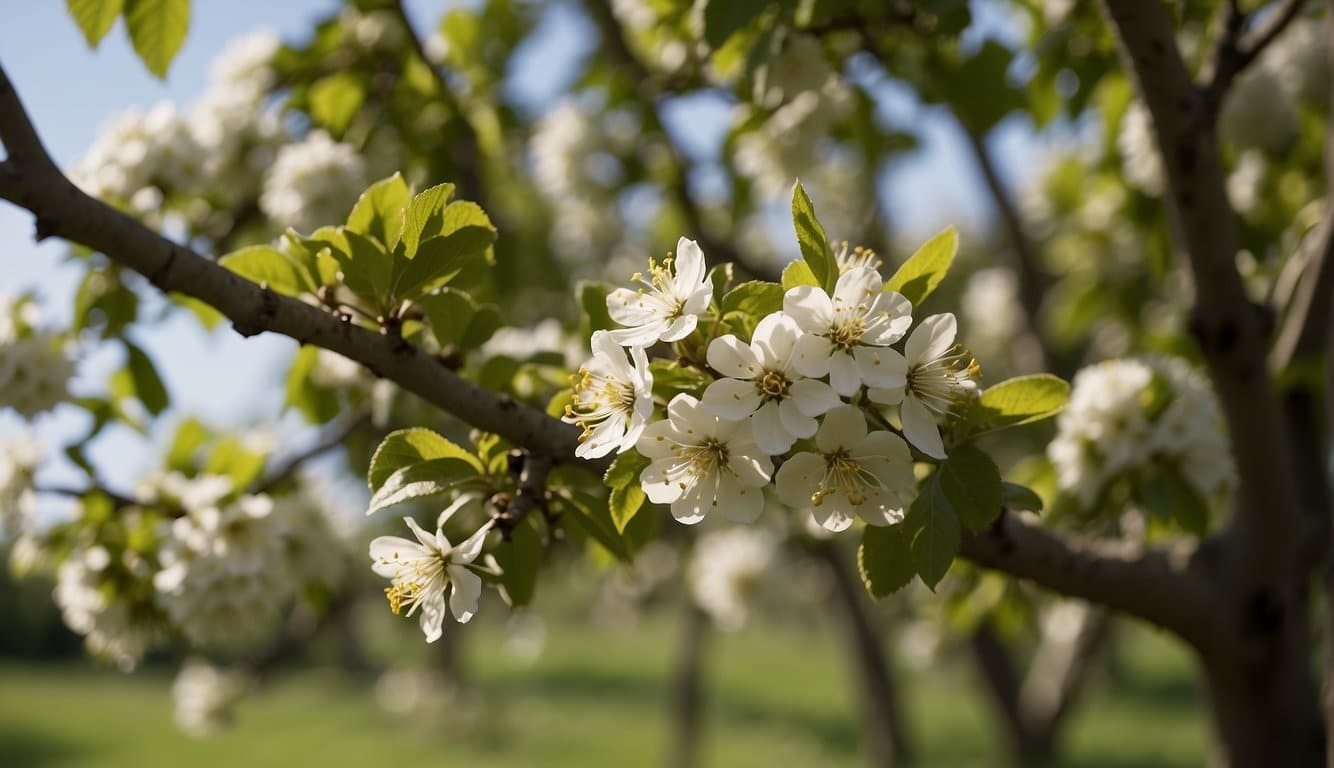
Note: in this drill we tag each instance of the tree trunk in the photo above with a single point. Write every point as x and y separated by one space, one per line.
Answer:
683 744
885 735
1262 694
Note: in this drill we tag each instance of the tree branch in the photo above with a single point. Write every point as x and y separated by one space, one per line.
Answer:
1235 49
65 211
1232 332
1161 585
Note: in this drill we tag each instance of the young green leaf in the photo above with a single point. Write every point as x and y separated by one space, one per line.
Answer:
424 216
756 297
972 483
1021 400
157 29
520 560
335 100
267 266
148 386
441 259
593 298
415 481
627 496
671 379
411 446
481 327
1017 496
94 17
1169 495
885 559
812 240
317 404
379 211
936 533
923 271
448 312
797 273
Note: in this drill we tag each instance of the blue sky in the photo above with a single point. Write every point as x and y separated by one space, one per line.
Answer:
70 91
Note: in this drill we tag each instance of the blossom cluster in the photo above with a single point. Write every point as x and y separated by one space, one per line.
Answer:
1127 415
727 569
229 565
802 388
115 624
35 365
203 697
19 458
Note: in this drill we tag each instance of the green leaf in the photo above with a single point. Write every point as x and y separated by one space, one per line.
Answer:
425 214
722 18
593 518
94 17
812 239
267 266
460 214
405 447
481 327
1021 400
1169 495
972 484
924 270
191 434
520 560
935 540
798 273
671 379
317 404
627 496
367 267
425 478
885 559
441 259
449 312
1017 496
335 100
148 386
756 298
231 458
157 30
379 211
593 298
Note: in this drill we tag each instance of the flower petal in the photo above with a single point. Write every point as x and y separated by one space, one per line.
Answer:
796 423
679 328
889 396
931 339
731 399
881 367
798 479
694 504
844 374
811 355
739 503
733 357
472 547
812 397
689 264
463 597
919 426
844 428
751 468
857 286
833 513
655 442
890 317
810 307
767 428
776 338
432 616
657 483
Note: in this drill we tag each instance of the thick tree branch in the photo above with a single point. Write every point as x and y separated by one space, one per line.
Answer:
1153 584
1232 332
1161 585
65 211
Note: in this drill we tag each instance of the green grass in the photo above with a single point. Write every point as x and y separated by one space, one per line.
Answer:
774 696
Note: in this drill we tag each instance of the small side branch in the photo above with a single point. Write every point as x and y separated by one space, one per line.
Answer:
1236 49
332 438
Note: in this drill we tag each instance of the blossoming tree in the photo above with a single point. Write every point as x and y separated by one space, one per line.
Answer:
363 191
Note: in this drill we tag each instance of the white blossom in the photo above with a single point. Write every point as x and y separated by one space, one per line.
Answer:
940 382
313 182
246 63
420 571
727 569
853 473
700 462
847 335
94 608
35 367
1107 429
19 458
612 398
204 697
224 568
764 386
668 305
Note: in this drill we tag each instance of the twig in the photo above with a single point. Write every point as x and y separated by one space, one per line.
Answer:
532 493
332 438
1235 49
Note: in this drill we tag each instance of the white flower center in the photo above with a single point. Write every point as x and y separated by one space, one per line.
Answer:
414 582
597 397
